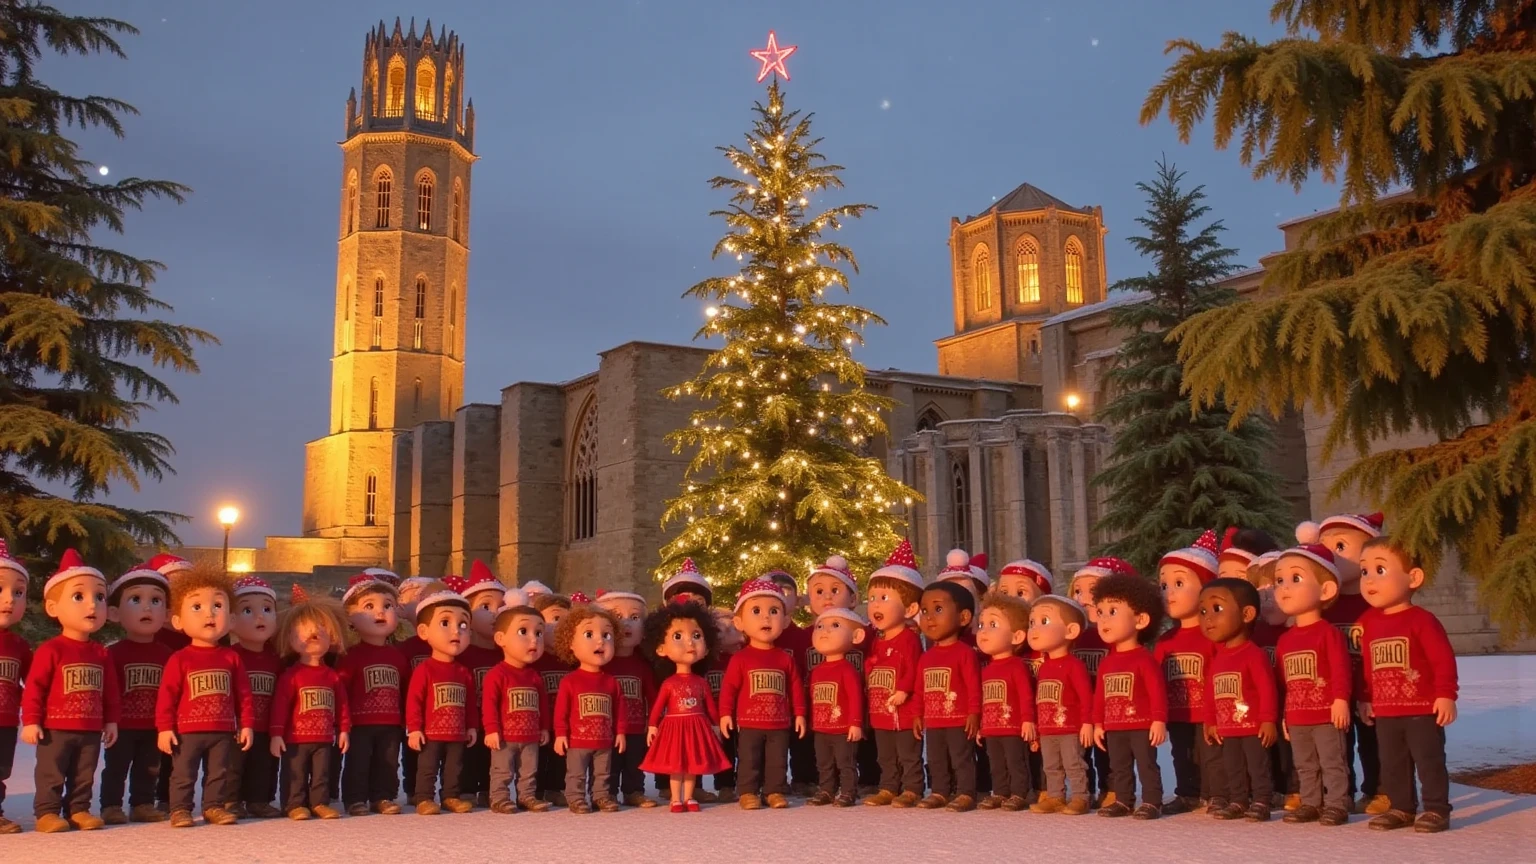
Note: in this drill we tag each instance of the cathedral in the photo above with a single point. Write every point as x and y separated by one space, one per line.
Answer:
566 482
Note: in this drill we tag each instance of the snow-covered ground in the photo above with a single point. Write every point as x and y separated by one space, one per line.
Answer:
1497 726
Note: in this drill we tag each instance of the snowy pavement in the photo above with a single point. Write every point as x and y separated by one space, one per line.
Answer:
1497 725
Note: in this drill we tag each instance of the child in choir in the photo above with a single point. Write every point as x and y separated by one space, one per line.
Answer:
552 670
1345 536
171 567
374 674
681 735
958 569
204 711
437 705
637 683
687 584
1410 688
1184 654
485 595
137 602
70 703
762 698
1240 547
796 641
831 586
1007 700
253 775
950 674
1130 707
728 640
890 675
1241 699
1267 630
837 705
309 709
1063 704
1024 579
1313 663
515 712
589 709
15 661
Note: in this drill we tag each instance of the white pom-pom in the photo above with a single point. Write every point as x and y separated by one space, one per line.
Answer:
837 562
1307 533
957 558
514 597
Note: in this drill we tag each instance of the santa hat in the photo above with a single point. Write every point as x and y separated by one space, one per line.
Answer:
1101 567
1266 558
169 565
11 564
253 585
534 588
604 596
1234 553
386 576
513 597
362 582
579 599
141 574
71 566
442 598
1199 557
297 595
1368 524
845 614
1316 553
480 579
455 583
687 578
979 569
1065 601
836 566
1034 570
901 566
417 582
758 588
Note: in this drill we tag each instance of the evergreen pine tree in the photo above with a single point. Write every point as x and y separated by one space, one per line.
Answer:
77 318
1176 471
1412 308
779 476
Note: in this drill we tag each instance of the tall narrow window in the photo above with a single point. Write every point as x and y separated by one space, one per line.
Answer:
582 487
371 500
450 104
981 278
453 320
1028 254
383 191
960 492
426 91
421 312
394 100
929 419
424 189
416 398
1074 271
371 88
455 213
378 312
351 203
373 403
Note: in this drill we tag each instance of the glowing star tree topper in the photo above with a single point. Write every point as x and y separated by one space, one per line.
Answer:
772 58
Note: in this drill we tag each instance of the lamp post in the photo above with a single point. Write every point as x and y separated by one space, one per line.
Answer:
228 516
1073 400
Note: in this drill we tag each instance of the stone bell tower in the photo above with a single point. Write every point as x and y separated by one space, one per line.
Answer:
402 259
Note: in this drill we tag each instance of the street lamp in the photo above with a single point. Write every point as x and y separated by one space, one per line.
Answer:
228 516
1073 400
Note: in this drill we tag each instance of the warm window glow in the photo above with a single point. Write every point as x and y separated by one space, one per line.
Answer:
1074 272
371 87
453 320
384 188
373 403
351 203
421 312
981 278
582 487
371 500
426 92
394 102
455 214
449 103
960 492
378 312
1028 255
424 190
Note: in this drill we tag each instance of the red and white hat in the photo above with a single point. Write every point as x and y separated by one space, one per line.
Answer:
901 566
1034 570
605 596
71 566
758 588
578 598
688 577
456 583
297 594
1199 556
534 588
836 566
414 582
139 574
1317 554
1107 565
387 576
1369 523
9 563
253 585
957 563
1065 601
1234 553
361 582
480 579
845 614
169 565
443 598
514 597
979 569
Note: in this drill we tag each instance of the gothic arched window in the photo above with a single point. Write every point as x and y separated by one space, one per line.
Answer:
583 483
416 398
453 320
449 103
456 213
425 187
1074 271
960 499
351 202
929 419
378 312
371 500
981 277
1027 253
426 92
383 186
419 323
394 100
373 403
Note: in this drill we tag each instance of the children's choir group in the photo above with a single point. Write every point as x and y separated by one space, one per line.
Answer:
1264 670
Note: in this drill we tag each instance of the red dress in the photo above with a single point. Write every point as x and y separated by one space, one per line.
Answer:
685 740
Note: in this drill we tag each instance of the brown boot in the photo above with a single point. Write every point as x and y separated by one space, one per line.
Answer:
1051 804
532 804
52 823
8 827
905 801
1014 803
962 804
181 819
504 807
262 810
579 807
358 808
85 821
326 811
820 799
607 805
883 798
934 801
991 802
749 801
458 805
427 808
725 794
386 808
638 799
114 816
704 796
146 813
777 801
299 814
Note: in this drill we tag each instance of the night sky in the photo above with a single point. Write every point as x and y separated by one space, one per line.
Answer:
596 128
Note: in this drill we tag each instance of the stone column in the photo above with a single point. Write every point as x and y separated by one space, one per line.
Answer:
935 492
1017 531
1101 495
976 458
401 529
431 497
1080 522
1056 491
476 486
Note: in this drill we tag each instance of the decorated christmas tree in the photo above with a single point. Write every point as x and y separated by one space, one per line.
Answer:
780 476
1412 308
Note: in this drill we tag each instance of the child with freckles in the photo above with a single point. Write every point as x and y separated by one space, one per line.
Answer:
1130 707
682 736
15 660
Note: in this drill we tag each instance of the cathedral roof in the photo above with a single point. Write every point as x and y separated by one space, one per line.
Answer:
1027 197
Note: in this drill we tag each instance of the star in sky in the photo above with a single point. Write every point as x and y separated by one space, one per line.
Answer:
773 58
